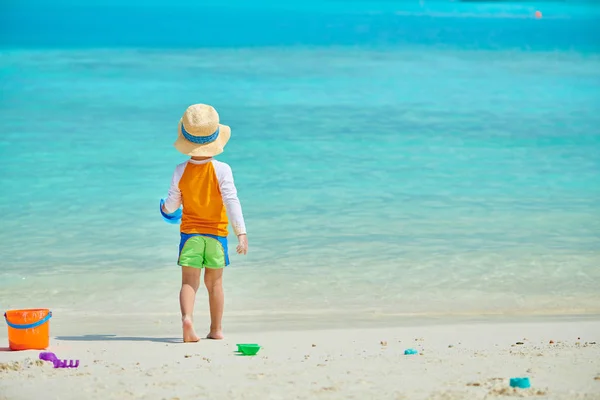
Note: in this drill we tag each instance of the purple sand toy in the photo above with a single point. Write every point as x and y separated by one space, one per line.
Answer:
47 356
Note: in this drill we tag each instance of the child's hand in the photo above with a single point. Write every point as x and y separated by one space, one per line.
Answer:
242 247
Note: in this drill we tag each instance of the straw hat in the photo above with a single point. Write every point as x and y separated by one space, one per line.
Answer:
200 133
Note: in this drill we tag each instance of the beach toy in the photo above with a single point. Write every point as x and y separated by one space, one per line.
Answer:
409 352
47 356
248 349
538 14
239 346
521 383
174 217
28 329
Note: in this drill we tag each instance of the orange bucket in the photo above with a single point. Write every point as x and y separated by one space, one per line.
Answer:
28 329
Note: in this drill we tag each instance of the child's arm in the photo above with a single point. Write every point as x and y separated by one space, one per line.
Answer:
173 201
233 207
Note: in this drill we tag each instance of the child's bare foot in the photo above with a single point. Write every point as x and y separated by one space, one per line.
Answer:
189 334
215 335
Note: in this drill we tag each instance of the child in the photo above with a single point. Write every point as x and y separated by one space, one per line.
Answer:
206 190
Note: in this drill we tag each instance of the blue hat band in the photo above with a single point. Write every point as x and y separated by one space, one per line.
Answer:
199 139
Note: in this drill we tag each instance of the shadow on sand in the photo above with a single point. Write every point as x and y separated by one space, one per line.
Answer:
115 338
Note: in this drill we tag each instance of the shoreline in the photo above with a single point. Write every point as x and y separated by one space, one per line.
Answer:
65 323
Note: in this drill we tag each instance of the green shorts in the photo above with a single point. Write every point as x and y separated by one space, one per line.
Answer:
203 251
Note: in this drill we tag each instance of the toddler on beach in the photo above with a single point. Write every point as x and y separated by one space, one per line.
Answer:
205 188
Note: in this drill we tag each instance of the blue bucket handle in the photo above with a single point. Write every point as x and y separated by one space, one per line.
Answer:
29 326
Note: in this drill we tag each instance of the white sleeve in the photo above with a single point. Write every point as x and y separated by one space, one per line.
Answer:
173 201
230 198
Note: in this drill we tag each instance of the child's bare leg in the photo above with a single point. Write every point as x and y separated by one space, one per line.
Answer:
190 281
213 279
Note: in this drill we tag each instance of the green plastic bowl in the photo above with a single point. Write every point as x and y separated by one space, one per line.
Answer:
248 349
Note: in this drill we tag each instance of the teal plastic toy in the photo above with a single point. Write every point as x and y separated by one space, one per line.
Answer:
521 383
409 352
174 217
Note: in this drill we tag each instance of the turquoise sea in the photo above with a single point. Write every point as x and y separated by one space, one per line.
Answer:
392 158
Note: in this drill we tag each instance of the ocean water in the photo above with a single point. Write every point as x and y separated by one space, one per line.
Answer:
420 159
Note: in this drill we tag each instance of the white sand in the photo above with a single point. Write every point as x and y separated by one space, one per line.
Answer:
469 361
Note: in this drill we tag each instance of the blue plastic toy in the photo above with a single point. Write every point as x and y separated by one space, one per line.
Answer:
521 383
409 352
173 218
